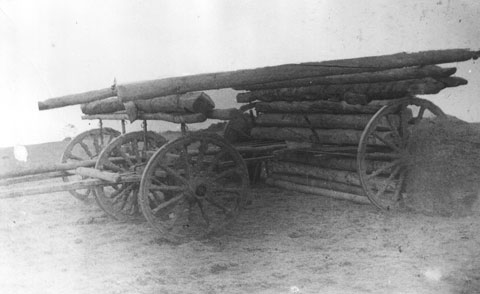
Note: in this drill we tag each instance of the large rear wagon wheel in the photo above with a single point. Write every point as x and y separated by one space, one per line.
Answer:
86 146
385 140
127 155
193 186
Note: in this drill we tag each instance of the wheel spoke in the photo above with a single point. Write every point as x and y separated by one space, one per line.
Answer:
96 145
173 173
122 195
225 173
394 130
201 155
172 201
386 142
225 210
86 149
215 160
112 166
125 156
134 145
185 158
165 188
202 211
387 183
384 168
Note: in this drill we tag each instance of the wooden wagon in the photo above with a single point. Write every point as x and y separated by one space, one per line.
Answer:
198 182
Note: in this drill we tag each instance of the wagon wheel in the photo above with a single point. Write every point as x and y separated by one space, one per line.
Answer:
85 146
383 156
193 186
127 155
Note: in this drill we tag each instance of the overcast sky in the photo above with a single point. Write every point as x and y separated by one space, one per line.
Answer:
52 48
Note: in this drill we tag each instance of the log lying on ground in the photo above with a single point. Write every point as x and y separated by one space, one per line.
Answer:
321 120
319 183
317 191
327 174
390 75
242 78
318 136
327 161
197 102
320 106
374 91
170 117
47 168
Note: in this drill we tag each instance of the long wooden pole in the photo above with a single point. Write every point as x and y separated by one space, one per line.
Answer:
241 79
390 75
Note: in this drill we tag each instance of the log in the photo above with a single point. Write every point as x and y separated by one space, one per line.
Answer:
317 191
320 106
98 174
318 136
242 78
321 121
374 91
170 117
390 75
328 161
40 169
327 174
34 178
59 187
319 183
197 102
76 99
224 114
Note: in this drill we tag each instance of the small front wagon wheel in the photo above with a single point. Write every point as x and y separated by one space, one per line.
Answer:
127 155
86 146
193 186
383 156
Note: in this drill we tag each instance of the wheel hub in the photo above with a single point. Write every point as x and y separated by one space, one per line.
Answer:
201 190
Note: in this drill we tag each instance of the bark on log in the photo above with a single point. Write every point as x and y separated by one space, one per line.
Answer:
197 102
328 161
390 75
35 178
320 106
374 91
224 114
76 99
317 136
98 174
319 183
317 191
39 169
170 117
239 79
321 121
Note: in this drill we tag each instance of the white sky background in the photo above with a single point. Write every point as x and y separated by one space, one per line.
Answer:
53 48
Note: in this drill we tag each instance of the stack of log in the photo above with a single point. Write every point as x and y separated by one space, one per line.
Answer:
334 109
327 102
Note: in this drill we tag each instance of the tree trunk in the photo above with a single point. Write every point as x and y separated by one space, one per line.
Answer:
76 99
317 136
390 75
374 91
321 121
170 117
329 161
241 78
315 107
319 183
327 174
197 102
318 191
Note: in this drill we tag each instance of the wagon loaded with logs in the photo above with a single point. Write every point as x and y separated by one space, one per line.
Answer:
337 128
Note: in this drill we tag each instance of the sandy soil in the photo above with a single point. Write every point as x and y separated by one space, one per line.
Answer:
283 243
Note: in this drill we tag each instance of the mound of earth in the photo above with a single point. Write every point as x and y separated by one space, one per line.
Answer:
444 176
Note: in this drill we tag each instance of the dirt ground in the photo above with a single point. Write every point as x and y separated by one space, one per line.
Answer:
283 243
